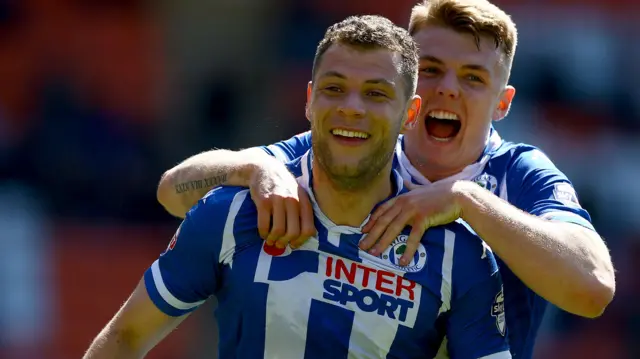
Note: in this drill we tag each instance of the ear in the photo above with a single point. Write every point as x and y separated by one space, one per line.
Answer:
307 107
413 113
504 104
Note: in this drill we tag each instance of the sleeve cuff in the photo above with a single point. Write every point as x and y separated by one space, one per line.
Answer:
568 217
161 297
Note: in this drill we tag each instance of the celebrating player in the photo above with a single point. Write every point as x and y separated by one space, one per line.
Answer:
327 298
528 212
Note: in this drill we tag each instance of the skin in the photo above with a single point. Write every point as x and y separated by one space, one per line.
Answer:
367 100
565 263
345 175
456 76
568 265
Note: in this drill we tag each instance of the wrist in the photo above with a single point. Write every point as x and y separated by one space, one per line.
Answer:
268 166
464 194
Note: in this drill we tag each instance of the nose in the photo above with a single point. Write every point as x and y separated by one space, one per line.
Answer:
448 85
352 106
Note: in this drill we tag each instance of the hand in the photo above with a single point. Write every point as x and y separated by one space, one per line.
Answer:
285 214
421 208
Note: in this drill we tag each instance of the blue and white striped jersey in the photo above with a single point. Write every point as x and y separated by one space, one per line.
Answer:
518 173
329 299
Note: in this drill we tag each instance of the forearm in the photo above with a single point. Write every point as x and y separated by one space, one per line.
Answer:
182 186
566 264
110 344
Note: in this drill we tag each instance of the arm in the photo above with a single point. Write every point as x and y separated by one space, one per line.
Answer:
183 185
137 327
552 249
177 283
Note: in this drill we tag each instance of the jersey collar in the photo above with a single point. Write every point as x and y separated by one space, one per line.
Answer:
407 170
306 181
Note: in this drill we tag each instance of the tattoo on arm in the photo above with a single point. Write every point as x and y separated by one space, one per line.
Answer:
203 184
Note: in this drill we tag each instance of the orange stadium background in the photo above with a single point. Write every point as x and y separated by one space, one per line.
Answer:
98 98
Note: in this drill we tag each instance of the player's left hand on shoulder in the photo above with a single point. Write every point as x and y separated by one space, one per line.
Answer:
421 208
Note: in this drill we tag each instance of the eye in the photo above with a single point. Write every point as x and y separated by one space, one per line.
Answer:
332 88
430 70
474 78
375 93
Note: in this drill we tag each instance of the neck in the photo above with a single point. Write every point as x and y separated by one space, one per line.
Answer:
435 172
350 207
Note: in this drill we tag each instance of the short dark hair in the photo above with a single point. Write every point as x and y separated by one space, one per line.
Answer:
373 32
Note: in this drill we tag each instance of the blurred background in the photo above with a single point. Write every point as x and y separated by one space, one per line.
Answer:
98 98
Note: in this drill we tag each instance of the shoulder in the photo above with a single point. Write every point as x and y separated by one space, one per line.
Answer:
521 158
226 209
220 199
296 166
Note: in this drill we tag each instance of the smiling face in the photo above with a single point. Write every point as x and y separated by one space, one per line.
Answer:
357 105
462 84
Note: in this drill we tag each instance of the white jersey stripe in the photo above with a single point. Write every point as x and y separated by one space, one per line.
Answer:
164 292
228 238
502 355
447 270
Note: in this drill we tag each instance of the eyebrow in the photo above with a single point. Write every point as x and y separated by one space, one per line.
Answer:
436 60
378 81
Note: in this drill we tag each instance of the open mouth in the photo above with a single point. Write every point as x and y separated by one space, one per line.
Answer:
442 126
350 136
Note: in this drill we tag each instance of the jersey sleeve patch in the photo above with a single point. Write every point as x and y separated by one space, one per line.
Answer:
497 311
566 194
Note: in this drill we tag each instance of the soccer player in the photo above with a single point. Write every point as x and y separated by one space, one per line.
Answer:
328 298
527 212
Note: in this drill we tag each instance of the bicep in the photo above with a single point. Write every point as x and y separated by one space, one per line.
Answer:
140 324
476 325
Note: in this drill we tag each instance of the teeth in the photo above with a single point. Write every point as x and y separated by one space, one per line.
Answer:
441 139
345 133
443 115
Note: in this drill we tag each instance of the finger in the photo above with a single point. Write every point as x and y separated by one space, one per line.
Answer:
264 219
383 208
379 212
293 223
307 226
417 231
379 227
278 221
410 185
394 229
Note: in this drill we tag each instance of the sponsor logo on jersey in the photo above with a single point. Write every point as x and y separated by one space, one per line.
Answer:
497 311
487 181
396 250
350 283
565 193
275 251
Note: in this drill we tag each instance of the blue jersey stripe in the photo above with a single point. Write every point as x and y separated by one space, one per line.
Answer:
331 323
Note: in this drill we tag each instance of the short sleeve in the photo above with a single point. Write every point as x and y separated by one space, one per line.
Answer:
538 187
187 273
